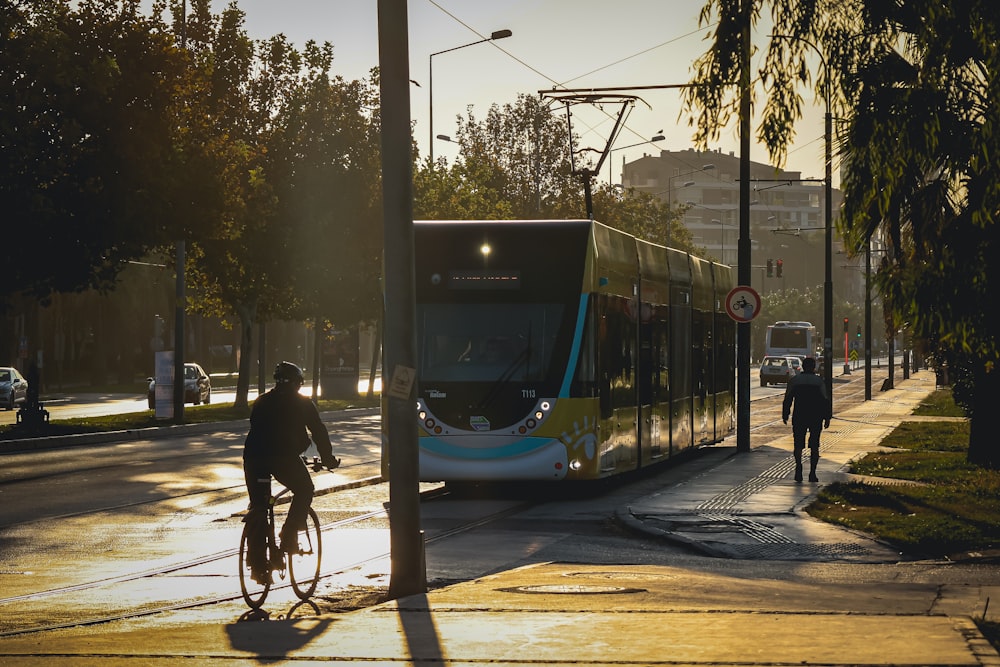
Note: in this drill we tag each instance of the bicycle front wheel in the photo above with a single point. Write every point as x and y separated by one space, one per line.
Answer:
253 593
303 567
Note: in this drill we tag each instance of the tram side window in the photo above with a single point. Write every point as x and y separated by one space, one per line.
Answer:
662 339
616 359
585 376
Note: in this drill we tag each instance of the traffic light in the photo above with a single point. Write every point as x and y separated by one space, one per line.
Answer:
770 269
845 325
858 334
779 265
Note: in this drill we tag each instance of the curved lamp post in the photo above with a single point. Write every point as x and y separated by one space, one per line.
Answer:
658 137
828 223
670 188
498 34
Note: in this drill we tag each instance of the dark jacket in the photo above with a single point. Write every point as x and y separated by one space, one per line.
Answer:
278 423
807 391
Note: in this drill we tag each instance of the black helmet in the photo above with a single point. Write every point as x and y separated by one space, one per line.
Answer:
287 372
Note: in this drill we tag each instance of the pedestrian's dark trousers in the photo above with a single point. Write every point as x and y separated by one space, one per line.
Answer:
799 428
287 470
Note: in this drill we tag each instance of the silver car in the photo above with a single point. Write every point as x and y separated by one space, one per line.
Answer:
197 386
13 387
775 370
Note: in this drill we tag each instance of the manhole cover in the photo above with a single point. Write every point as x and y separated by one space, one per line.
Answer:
563 589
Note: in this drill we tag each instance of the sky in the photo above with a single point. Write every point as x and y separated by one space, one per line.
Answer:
555 43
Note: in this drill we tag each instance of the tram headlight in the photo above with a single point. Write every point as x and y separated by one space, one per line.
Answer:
539 415
575 464
422 415
545 406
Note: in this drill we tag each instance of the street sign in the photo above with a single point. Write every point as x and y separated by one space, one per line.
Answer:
743 303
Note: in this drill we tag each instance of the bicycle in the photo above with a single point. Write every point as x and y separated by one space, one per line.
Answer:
302 567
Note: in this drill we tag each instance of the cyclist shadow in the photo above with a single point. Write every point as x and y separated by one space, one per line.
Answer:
277 639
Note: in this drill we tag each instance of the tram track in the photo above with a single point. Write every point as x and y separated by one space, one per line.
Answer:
847 392
329 530
232 491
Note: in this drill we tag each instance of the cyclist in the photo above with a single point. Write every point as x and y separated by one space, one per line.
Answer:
278 423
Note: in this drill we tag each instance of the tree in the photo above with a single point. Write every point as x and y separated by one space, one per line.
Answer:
327 162
299 233
914 86
88 124
515 164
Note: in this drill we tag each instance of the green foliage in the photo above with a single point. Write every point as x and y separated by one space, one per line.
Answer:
941 403
914 88
124 134
514 164
948 504
943 436
88 170
959 511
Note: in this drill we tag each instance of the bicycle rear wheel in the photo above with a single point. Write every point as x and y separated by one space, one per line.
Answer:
253 593
303 567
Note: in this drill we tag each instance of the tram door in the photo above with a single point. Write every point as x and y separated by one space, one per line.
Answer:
679 317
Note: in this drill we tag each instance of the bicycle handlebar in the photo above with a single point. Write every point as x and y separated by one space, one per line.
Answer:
316 464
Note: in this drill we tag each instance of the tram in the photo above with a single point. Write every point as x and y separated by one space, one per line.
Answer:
564 350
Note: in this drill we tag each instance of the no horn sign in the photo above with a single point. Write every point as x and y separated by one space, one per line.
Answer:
743 303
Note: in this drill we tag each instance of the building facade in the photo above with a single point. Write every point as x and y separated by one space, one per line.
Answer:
786 216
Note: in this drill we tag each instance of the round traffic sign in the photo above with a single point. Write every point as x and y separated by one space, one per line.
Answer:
743 303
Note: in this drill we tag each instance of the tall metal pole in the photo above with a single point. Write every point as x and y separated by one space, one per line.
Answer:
828 224
179 295
828 281
408 574
868 319
743 247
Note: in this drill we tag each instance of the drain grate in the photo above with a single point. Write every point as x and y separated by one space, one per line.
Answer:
564 589
793 551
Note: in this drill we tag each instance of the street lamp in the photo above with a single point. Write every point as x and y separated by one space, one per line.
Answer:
828 177
670 189
498 34
670 180
658 137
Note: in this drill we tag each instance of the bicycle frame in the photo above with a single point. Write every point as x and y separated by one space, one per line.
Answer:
303 565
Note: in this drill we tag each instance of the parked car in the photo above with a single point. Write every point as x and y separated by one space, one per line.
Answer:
796 363
197 386
13 387
775 370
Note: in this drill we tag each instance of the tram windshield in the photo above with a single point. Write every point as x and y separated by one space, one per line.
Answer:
487 342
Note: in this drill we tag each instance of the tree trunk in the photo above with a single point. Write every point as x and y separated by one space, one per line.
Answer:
376 352
983 449
247 313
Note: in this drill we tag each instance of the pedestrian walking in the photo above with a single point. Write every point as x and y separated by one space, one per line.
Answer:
811 413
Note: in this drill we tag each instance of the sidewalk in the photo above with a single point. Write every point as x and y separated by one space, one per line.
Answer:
749 506
742 507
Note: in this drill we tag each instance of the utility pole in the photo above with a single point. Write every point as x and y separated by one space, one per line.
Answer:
408 574
743 247
179 295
